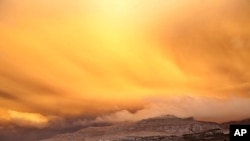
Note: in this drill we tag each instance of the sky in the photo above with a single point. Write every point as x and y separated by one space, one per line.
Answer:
118 60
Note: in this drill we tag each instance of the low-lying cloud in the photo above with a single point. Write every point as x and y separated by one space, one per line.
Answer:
201 108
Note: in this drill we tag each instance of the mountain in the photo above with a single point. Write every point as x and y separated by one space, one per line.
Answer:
241 122
225 126
164 128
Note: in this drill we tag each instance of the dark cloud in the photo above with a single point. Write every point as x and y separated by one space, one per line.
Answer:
7 95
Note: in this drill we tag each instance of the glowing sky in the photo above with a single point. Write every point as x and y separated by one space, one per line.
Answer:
90 57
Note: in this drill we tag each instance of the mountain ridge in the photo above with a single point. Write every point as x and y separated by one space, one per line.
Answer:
162 128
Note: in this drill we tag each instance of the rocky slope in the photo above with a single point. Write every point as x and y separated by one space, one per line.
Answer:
165 128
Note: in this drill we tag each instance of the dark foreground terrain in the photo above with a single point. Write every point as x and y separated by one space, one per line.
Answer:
211 135
165 128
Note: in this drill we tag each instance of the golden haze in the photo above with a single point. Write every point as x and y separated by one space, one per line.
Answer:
90 57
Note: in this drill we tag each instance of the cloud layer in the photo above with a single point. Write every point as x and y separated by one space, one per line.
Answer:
65 59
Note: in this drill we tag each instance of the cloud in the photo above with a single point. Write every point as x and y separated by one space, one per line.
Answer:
201 108
59 58
119 116
27 119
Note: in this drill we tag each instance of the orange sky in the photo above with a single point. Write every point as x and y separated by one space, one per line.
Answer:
61 57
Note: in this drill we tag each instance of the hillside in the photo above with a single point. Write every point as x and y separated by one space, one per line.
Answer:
165 128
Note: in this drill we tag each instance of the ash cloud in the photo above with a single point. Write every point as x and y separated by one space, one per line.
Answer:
207 41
